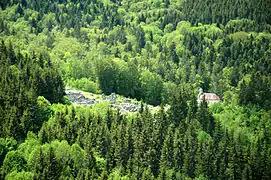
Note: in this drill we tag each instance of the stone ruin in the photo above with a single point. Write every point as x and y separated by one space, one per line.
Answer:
112 99
78 98
125 106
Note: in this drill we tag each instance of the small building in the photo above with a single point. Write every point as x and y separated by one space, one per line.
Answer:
210 98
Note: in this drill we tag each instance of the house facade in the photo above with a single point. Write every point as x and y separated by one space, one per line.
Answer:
210 98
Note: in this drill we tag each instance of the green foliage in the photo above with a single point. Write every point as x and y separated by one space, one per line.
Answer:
116 175
23 79
43 111
85 85
104 146
151 87
20 175
239 35
105 71
84 51
6 145
14 161
209 12
154 51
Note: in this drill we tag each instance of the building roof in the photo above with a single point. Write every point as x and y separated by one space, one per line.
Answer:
210 97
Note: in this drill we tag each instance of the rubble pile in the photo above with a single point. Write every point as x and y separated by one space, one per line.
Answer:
125 106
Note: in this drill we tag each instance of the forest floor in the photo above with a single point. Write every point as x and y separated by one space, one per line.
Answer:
125 105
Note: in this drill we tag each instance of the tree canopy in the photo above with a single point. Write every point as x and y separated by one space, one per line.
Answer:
158 52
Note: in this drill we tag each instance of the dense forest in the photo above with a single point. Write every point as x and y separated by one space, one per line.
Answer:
159 52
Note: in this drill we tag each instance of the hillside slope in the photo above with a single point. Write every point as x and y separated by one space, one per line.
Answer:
155 51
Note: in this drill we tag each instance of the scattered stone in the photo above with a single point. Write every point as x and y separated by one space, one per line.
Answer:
113 98
127 100
78 98
103 97
125 106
